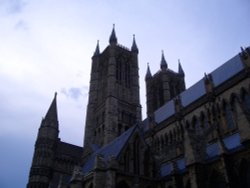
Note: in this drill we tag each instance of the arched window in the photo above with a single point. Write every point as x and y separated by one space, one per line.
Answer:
187 125
170 137
166 138
204 121
136 162
229 116
126 160
119 71
196 126
161 143
246 101
146 163
127 74
119 129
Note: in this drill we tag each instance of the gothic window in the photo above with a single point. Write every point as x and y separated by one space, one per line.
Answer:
246 101
119 129
229 117
123 71
166 139
161 142
146 163
197 126
119 71
172 89
126 160
136 152
204 121
170 137
161 97
127 74
187 125
174 135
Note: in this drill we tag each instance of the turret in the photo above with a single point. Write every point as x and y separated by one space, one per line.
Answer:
97 49
134 46
148 74
40 173
49 124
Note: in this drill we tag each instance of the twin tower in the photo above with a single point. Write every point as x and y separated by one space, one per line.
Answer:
114 101
113 107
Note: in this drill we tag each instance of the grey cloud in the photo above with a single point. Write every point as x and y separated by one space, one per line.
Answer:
21 25
12 6
73 92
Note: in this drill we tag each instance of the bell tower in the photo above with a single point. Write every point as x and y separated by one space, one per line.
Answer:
114 103
163 85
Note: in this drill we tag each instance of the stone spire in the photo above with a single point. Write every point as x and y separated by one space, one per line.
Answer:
134 46
164 65
97 49
148 74
51 118
112 38
180 70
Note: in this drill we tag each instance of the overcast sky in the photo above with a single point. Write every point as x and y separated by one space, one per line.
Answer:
46 46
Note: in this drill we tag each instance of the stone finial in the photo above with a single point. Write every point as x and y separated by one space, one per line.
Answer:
112 38
148 74
97 49
134 46
164 64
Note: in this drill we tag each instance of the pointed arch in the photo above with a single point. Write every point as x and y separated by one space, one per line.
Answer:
178 133
187 125
161 142
174 135
194 121
245 98
202 117
146 161
166 138
197 125
228 115
136 155
233 98
170 137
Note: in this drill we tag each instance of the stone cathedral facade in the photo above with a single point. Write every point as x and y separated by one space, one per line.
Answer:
191 138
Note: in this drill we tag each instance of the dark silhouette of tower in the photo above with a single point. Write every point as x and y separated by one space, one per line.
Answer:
47 138
163 86
114 103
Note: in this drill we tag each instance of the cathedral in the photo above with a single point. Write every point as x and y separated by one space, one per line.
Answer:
191 138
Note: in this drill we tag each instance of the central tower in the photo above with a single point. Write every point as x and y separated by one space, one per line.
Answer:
114 102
